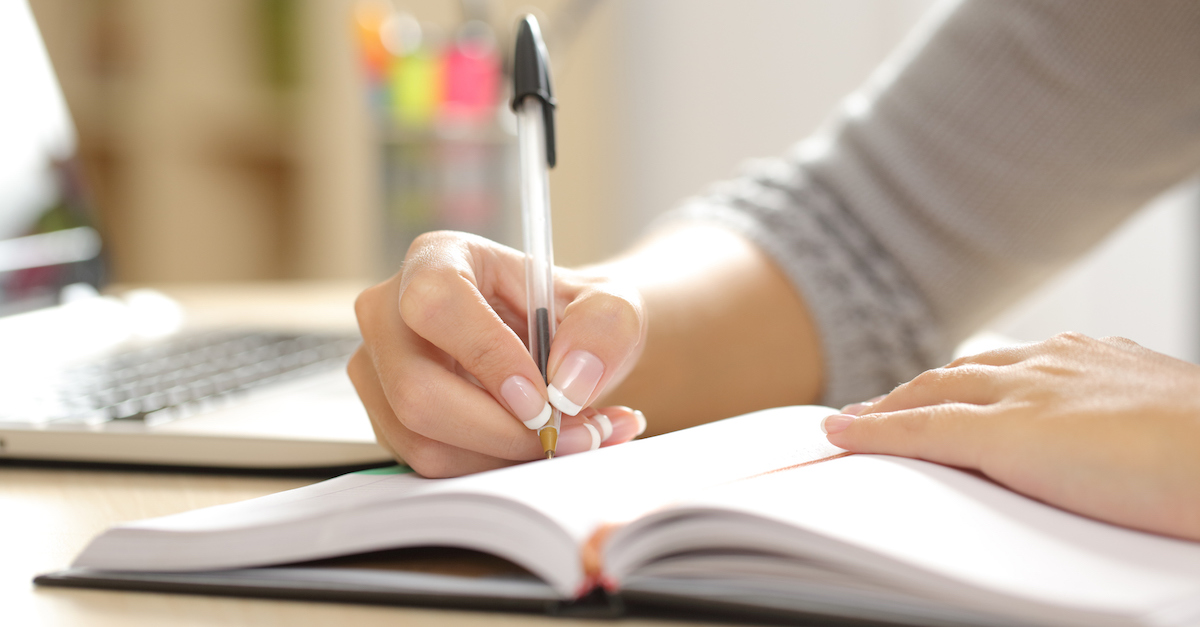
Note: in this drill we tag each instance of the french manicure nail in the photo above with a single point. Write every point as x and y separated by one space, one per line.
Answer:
836 423
641 421
605 426
578 438
575 381
527 404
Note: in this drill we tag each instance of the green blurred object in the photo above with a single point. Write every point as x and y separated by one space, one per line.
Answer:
416 85
278 21
397 469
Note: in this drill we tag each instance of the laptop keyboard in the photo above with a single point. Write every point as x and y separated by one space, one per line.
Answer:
175 377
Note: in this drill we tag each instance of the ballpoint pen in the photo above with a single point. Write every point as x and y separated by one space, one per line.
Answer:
533 104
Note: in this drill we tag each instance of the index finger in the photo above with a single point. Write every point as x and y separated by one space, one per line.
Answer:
426 393
956 434
441 301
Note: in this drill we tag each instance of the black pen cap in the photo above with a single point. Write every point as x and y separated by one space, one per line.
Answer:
531 77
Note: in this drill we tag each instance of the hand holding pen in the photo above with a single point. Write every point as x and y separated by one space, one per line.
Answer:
445 373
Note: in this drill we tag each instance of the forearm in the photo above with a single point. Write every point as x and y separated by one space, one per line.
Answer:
938 195
728 333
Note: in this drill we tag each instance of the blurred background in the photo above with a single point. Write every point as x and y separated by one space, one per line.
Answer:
234 140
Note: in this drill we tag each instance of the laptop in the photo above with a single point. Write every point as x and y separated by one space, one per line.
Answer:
92 378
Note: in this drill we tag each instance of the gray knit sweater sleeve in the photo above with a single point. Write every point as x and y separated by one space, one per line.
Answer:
1002 140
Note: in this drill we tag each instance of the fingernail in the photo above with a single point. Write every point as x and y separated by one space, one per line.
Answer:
641 421
578 438
626 425
857 409
605 426
854 409
526 403
575 381
836 423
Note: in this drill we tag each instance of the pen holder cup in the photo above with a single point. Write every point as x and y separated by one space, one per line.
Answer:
462 181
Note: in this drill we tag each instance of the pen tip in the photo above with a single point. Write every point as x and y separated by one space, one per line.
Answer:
549 438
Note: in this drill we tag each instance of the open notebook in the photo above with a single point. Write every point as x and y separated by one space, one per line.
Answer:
756 514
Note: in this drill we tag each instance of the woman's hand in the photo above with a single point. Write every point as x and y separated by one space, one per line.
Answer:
445 374
1105 428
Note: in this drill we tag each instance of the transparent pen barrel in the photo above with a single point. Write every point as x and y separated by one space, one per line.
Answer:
539 245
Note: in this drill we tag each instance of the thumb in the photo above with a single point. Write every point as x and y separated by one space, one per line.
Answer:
599 337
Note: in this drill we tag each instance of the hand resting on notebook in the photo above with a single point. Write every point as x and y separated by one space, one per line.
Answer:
1105 428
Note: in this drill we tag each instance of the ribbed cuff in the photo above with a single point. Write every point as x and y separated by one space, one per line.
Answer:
875 329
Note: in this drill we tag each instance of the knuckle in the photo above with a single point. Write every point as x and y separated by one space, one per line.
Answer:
626 316
947 382
427 295
356 369
484 355
383 435
928 379
959 362
421 241
968 372
429 462
425 241
367 303
618 312
1052 368
434 249
1070 337
1116 340
414 403
418 421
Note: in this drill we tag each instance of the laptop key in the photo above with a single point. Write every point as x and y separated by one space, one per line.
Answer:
189 373
128 410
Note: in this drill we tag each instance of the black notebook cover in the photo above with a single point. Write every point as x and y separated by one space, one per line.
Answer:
432 577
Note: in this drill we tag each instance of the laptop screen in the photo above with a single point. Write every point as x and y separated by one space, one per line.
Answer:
47 241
